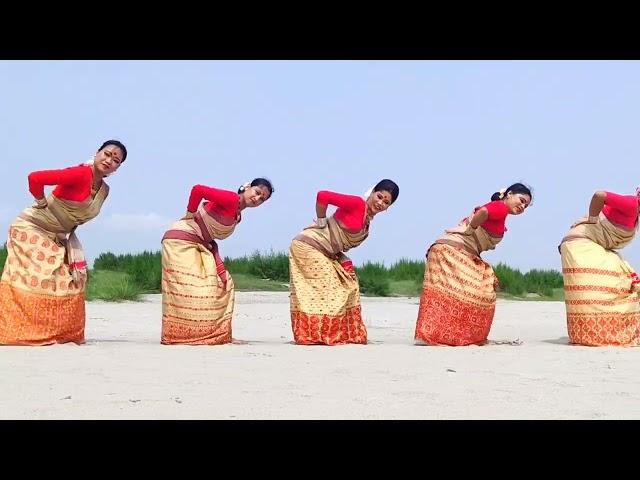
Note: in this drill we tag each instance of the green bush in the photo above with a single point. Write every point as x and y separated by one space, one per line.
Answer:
144 269
273 266
374 279
511 280
543 282
406 269
239 265
514 282
111 286
3 256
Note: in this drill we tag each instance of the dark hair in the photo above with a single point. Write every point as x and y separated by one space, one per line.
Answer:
260 182
118 144
388 186
515 188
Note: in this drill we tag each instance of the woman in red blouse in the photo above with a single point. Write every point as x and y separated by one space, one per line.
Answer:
197 290
459 291
601 289
325 295
42 289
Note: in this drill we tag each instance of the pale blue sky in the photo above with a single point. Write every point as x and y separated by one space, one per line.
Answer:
450 133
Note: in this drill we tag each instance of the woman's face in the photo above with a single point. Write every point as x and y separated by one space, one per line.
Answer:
517 202
255 196
108 159
378 202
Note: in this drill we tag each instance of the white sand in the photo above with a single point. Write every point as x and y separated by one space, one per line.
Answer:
123 372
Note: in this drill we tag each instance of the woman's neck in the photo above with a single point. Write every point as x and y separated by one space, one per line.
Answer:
97 177
241 202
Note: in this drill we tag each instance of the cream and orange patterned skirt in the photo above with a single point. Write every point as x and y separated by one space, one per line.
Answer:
196 305
458 298
601 295
40 304
325 299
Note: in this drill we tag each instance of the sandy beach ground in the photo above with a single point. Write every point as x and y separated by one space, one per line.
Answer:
123 372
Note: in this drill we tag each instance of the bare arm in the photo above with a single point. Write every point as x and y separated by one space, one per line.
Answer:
595 207
477 219
321 210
